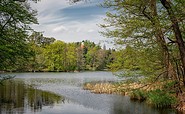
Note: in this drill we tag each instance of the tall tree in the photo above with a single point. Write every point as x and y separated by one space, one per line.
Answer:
55 56
15 18
175 18
145 25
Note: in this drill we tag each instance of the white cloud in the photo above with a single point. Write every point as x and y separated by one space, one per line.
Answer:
54 25
73 31
49 5
78 30
90 30
60 29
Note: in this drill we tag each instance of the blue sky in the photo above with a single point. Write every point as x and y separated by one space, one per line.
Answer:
70 22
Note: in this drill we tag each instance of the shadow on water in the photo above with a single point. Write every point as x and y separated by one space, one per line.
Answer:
17 98
136 107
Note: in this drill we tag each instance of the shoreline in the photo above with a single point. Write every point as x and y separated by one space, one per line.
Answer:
128 90
45 71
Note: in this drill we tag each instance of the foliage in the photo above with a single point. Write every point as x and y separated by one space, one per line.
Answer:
55 56
60 56
14 25
51 55
169 86
134 32
150 34
95 58
138 95
159 98
136 63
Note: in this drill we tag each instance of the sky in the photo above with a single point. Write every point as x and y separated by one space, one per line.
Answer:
70 22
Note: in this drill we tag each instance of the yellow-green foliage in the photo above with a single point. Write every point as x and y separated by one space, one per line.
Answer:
159 98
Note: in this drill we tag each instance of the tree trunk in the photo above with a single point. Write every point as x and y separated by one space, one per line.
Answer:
161 40
177 33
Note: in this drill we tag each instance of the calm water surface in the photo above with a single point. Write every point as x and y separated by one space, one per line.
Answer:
62 93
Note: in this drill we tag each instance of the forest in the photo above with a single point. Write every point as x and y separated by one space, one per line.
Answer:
153 33
23 49
48 54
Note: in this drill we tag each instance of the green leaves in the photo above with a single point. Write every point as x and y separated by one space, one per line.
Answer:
160 99
61 56
14 25
151 30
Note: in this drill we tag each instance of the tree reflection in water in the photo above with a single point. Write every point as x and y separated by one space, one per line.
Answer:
16 97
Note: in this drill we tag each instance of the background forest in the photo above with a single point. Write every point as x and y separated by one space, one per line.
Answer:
49 54
151 35
21 49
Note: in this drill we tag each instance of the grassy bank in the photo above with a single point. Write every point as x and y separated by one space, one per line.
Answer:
158 94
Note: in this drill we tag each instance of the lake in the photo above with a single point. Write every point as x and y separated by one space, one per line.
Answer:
62 93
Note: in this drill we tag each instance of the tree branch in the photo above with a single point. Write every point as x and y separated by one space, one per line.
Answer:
6 23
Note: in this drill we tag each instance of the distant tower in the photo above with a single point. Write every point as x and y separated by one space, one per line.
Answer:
82 45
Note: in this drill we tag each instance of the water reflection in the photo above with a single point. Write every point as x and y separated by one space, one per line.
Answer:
95 103
128 106
16 97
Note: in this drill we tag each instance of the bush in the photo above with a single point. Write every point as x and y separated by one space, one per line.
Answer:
160 99
138 95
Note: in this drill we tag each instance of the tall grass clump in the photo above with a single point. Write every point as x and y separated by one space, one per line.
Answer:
160 99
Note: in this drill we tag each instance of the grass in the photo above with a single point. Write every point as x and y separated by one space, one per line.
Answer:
160 95
159 98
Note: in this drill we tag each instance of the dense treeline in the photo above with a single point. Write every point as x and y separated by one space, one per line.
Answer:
49 54
153 34
20 51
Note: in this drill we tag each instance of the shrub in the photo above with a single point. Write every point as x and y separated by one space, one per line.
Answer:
138 95
160 99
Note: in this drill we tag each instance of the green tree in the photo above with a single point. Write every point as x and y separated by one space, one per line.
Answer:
176 16
101 59
81 50
71 57
61 56
14 26
146 25
91 58
55 56
37 38
37 43
94 56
